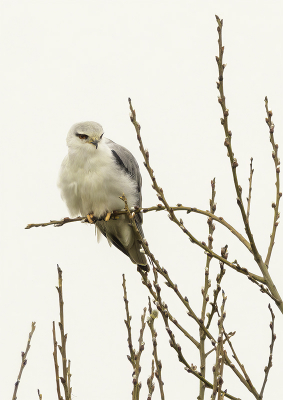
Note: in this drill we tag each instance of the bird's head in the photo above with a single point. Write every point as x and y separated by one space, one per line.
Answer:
85 134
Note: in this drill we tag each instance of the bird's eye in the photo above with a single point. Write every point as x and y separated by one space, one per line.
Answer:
82 136
101 135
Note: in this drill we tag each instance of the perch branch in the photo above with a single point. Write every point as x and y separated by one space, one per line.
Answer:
159 207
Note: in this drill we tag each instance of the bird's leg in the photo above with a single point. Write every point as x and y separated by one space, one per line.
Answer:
90 218
108 215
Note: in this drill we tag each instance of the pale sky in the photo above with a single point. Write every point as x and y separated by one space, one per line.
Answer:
64 62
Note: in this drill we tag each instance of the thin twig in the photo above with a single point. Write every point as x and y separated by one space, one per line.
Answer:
134 357
275 205
230 334
131 357
218 367
62 348
207 284
247 382
216 291
137 369
39 394
24 361
250 189
150 383
158 364
61 222
269 365
56 363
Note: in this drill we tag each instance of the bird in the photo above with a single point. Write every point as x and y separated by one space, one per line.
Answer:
93 176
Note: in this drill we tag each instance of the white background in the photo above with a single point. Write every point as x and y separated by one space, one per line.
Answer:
68 61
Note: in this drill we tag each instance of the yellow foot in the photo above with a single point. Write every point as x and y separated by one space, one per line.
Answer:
108 215
90 218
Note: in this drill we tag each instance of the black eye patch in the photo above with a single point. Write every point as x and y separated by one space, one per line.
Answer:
82 136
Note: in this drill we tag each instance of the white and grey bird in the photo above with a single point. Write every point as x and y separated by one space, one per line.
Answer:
94 174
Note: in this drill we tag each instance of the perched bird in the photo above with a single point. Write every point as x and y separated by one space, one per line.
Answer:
94 174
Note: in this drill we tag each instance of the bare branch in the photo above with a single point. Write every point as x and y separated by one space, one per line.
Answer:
115 214
269 365
158 364
220 355
150 383
135 356
204 291
216 292
275 205
131 358
56 363
66 373
61 222
250 189
247 382
24 361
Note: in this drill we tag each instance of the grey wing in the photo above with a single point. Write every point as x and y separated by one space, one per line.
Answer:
128 164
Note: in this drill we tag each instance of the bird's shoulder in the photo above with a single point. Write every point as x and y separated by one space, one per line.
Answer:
124 158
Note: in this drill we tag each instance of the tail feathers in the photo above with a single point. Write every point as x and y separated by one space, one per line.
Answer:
135 254
112 232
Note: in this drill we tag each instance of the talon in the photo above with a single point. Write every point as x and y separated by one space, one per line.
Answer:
108 215
90 218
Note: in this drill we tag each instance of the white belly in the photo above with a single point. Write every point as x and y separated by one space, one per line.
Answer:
95 184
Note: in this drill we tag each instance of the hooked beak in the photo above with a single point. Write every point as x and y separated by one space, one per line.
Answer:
94 142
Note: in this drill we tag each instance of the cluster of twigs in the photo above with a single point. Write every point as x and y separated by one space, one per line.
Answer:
135 356
66 378
265 283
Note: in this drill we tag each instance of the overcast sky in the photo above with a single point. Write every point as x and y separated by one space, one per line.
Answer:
64 62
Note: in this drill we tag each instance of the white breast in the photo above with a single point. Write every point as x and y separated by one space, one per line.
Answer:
91 181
